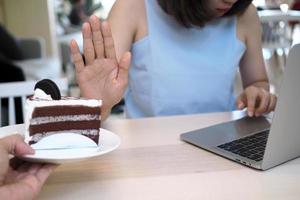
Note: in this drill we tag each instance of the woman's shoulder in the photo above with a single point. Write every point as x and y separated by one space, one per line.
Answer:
128 7
131 15
248 23
128 12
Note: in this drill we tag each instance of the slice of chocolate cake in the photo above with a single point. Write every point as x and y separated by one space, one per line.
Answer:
47 117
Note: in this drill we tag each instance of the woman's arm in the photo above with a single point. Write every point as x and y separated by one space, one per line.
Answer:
125 20
256 96
103 74
252 67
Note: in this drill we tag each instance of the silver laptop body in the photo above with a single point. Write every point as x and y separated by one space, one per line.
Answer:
282 138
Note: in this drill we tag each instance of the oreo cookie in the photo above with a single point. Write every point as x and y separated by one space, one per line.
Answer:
49 87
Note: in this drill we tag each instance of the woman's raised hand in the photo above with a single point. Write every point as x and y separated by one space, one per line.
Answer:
99 73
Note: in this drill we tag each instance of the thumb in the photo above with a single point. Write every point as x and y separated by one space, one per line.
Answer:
241 101
124 66
15 145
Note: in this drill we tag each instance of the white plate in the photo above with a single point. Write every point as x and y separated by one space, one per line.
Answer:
108 142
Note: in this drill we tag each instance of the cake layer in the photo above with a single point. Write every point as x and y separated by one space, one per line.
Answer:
52 119
64 110
36 102
62 126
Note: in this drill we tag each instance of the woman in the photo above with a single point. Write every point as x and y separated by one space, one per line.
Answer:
185 54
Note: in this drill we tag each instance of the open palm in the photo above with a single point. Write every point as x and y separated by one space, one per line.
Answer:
98 73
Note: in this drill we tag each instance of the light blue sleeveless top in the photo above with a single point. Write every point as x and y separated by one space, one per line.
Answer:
176 70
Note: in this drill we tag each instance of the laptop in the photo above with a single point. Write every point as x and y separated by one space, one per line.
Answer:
256 142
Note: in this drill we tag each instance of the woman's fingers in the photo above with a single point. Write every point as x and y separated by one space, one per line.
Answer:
76 56
97 36
272 103
88 46
264 100
97 43
109 47
241 102
251 100
15 145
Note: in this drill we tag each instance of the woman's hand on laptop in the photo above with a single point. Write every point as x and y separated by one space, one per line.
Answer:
257 100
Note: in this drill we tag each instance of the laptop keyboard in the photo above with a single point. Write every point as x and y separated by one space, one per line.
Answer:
251 147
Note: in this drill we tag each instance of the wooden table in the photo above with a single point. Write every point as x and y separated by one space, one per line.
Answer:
152 163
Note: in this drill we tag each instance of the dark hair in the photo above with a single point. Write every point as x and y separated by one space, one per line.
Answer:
196 12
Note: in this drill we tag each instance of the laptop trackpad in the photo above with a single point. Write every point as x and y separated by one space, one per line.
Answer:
226 132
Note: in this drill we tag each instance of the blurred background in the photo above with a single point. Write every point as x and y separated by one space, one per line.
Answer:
36 35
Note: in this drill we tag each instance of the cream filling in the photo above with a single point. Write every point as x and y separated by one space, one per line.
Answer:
52 119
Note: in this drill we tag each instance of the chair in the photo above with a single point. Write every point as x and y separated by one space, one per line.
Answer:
36 65
21 89
33 47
